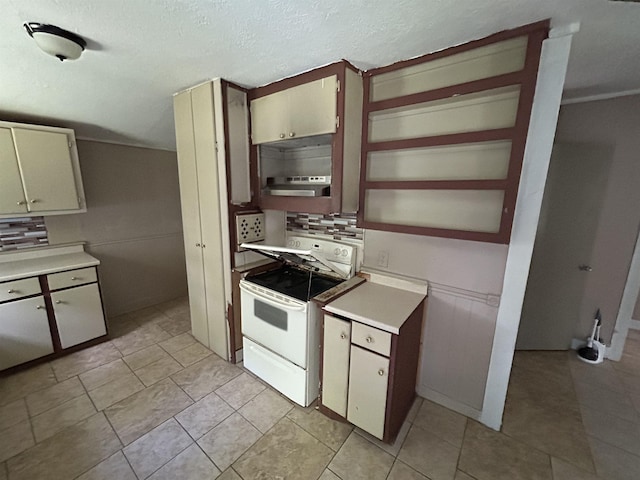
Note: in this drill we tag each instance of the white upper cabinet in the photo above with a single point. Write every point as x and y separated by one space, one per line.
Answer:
11 193
40 171
301 111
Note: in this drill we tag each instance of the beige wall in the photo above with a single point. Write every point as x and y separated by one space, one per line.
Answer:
612 123
133 224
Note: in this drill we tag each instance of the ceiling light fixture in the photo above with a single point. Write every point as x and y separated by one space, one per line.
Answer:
56 41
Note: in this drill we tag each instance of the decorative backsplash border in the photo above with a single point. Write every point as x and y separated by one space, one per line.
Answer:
340 227
23 232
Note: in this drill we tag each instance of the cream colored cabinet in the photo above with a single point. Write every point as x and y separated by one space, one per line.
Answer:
306 133
201 146
368 382
369 374
335 364
301 111
78 314
41 173
12 199
24 331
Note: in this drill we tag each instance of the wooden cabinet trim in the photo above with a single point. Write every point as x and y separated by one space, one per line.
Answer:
525 78
319 73
542 25
53 327
333 202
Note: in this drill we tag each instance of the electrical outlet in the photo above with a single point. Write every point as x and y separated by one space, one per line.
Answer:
383 258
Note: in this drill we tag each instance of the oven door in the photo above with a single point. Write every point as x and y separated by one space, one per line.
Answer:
275 321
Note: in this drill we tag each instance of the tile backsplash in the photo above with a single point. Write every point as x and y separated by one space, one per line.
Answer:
23 232
340 227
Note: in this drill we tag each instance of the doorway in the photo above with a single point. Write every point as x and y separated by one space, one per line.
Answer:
561 261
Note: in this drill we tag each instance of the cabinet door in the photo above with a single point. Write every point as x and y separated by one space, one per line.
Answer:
47 170
78 313
368 381
313 107
24 332
188 175
11 193
211 220
270 118
335 364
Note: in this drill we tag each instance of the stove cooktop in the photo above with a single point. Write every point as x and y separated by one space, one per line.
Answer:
294 282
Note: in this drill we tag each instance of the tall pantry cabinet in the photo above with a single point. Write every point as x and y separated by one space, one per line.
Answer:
199 123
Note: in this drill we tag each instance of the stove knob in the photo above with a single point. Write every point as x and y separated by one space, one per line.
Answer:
344 252
336 251
297 243
291 243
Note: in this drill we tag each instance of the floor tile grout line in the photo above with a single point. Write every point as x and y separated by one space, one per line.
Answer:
614 446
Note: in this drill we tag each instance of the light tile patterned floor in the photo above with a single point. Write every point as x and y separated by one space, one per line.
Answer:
154 403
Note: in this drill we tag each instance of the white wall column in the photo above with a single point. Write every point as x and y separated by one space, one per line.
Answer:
544 116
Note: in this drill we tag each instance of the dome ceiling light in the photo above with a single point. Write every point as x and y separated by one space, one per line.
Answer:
56 41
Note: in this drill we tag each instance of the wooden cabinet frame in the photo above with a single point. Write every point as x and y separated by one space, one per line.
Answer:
525 79
58 350
330 204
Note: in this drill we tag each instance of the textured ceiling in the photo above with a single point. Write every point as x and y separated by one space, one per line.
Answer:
140 52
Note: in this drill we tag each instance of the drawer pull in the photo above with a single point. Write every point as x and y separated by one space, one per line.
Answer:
58 302
39 307
282 135
343 336
381 372
11 290
21 202
369 339
75 278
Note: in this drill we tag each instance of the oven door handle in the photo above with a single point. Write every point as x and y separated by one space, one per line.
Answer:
274 302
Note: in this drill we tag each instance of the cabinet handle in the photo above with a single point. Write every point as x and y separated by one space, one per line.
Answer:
204 246
282 135
369 339
197 244
343 336
58 302
21 202
39 307
292 134
381 372
34 200
74 278
11 290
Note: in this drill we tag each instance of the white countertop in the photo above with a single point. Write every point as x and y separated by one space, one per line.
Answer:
377 305
14 266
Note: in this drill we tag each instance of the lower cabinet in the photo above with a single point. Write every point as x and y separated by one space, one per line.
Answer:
335 364
48 314
24 331
78 314
369 375
368 385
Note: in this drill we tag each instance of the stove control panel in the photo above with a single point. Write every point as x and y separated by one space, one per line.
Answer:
331 250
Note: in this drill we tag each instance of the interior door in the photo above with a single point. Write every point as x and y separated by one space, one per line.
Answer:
566 232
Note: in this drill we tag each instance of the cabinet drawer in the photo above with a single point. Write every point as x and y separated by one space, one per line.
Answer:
72 278
19 288
371 338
